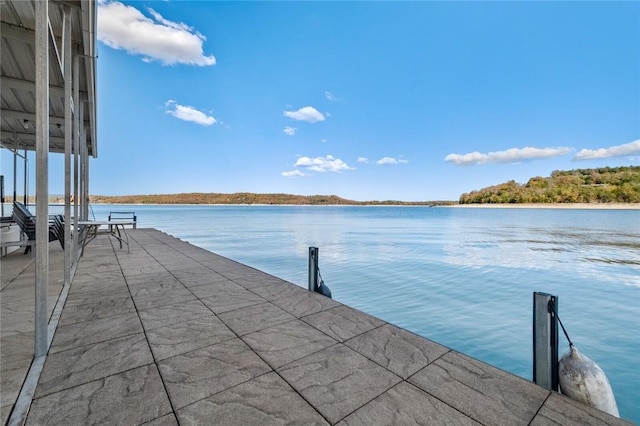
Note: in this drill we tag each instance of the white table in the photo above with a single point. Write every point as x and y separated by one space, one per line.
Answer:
114 228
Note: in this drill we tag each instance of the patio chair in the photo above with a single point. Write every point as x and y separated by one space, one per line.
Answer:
27 222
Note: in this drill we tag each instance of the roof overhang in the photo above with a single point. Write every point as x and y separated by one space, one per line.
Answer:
18 72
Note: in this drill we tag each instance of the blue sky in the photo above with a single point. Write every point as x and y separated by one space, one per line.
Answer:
365 100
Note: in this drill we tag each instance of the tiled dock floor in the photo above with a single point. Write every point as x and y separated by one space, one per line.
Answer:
170 333
17 273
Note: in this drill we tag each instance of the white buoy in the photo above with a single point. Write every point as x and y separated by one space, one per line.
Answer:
582 380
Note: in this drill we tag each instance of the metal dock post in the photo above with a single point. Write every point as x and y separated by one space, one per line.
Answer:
545 340
314 274
313 268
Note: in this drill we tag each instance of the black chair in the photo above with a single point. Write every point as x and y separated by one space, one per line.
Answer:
27 222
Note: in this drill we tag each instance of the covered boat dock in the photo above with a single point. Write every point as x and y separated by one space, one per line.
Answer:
163 332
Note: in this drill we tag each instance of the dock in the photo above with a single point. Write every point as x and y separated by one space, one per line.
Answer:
169 333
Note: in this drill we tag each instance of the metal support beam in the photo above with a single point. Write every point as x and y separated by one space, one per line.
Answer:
21 33
76 157
20 115
54 45
83 153
85 196
7 137
42 177
15 175
68 133
25 178
545 341
89 37
28 86
84 168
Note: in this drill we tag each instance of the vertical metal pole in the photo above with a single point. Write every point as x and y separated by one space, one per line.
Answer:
313 268
76 154
81 177
68 133
85 195
83 163
26 177
84 158
15 175
545 340
42 176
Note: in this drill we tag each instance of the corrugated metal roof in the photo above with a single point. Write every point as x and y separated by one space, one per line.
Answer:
17 72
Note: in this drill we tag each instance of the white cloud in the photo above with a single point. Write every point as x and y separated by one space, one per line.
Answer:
125 27
391 160
289 130
166 22
627 149
330 96
308 114
188 113
322 164
511 155
364 160
293 174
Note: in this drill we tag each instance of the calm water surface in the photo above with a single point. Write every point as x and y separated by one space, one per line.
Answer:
462 277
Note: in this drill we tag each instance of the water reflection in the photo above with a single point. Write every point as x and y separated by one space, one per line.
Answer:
463 277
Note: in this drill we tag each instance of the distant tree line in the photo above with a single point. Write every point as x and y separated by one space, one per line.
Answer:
601 185
246 198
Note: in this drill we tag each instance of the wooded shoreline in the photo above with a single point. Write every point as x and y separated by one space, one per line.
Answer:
234 199
601 188
245 198
567 206
345 202
150 200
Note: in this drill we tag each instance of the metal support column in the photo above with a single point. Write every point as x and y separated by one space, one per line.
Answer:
25 177
15 175
83 164
42 176
76 155
85 167
545 340
68 133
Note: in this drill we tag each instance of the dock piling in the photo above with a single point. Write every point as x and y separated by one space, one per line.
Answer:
316 284
313 268
545 340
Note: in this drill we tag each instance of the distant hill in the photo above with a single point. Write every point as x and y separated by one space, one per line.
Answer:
601 185
246 198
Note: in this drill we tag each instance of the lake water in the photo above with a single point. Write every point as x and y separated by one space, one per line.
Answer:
461 277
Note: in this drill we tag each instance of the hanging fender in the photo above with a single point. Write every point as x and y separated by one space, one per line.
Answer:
323 289
583 380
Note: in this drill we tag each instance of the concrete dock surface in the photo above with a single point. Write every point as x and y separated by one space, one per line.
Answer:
169 333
